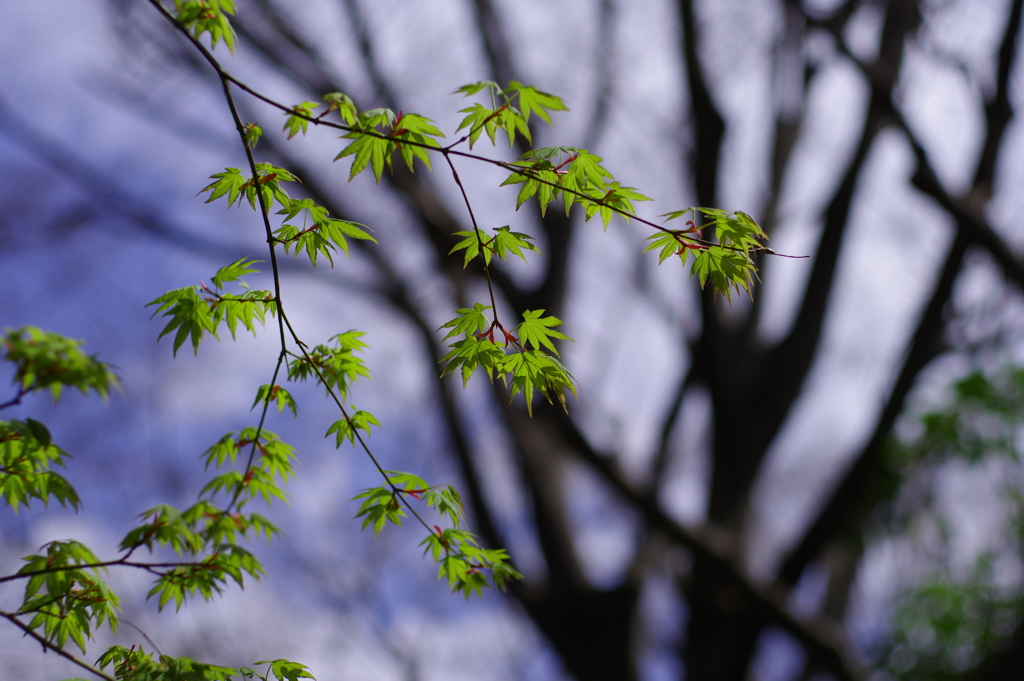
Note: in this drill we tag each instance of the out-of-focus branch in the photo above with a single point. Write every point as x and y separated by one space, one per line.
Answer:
274 36
708 125
672 416
998 112
789 362
496 47
843 505
848 500
380 83
822 637
603 54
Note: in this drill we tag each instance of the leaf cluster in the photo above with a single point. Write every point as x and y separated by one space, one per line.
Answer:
575 176
26 454
195 311
464 564
501 244
527 362
49 361
348 428
460 559
278 395
335 366
207 535
272 466
319 233
64 595
236 186
135 664
377 133
199 17
724 257
510 110
207 577
203 537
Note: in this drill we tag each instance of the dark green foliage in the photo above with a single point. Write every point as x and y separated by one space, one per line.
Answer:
982 419
945 627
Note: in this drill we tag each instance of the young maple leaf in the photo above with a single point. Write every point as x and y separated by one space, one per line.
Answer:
536 330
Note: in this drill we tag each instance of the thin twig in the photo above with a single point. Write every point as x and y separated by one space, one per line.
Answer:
315 120
145 636
50 646
476 232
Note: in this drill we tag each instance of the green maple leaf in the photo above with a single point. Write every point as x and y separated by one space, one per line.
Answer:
616 200
372 151
471 353
230 182
299 120
506 241
537 330
343 104
470 321
417 129
532 100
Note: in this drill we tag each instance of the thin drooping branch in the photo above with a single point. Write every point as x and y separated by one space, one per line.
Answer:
227 82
